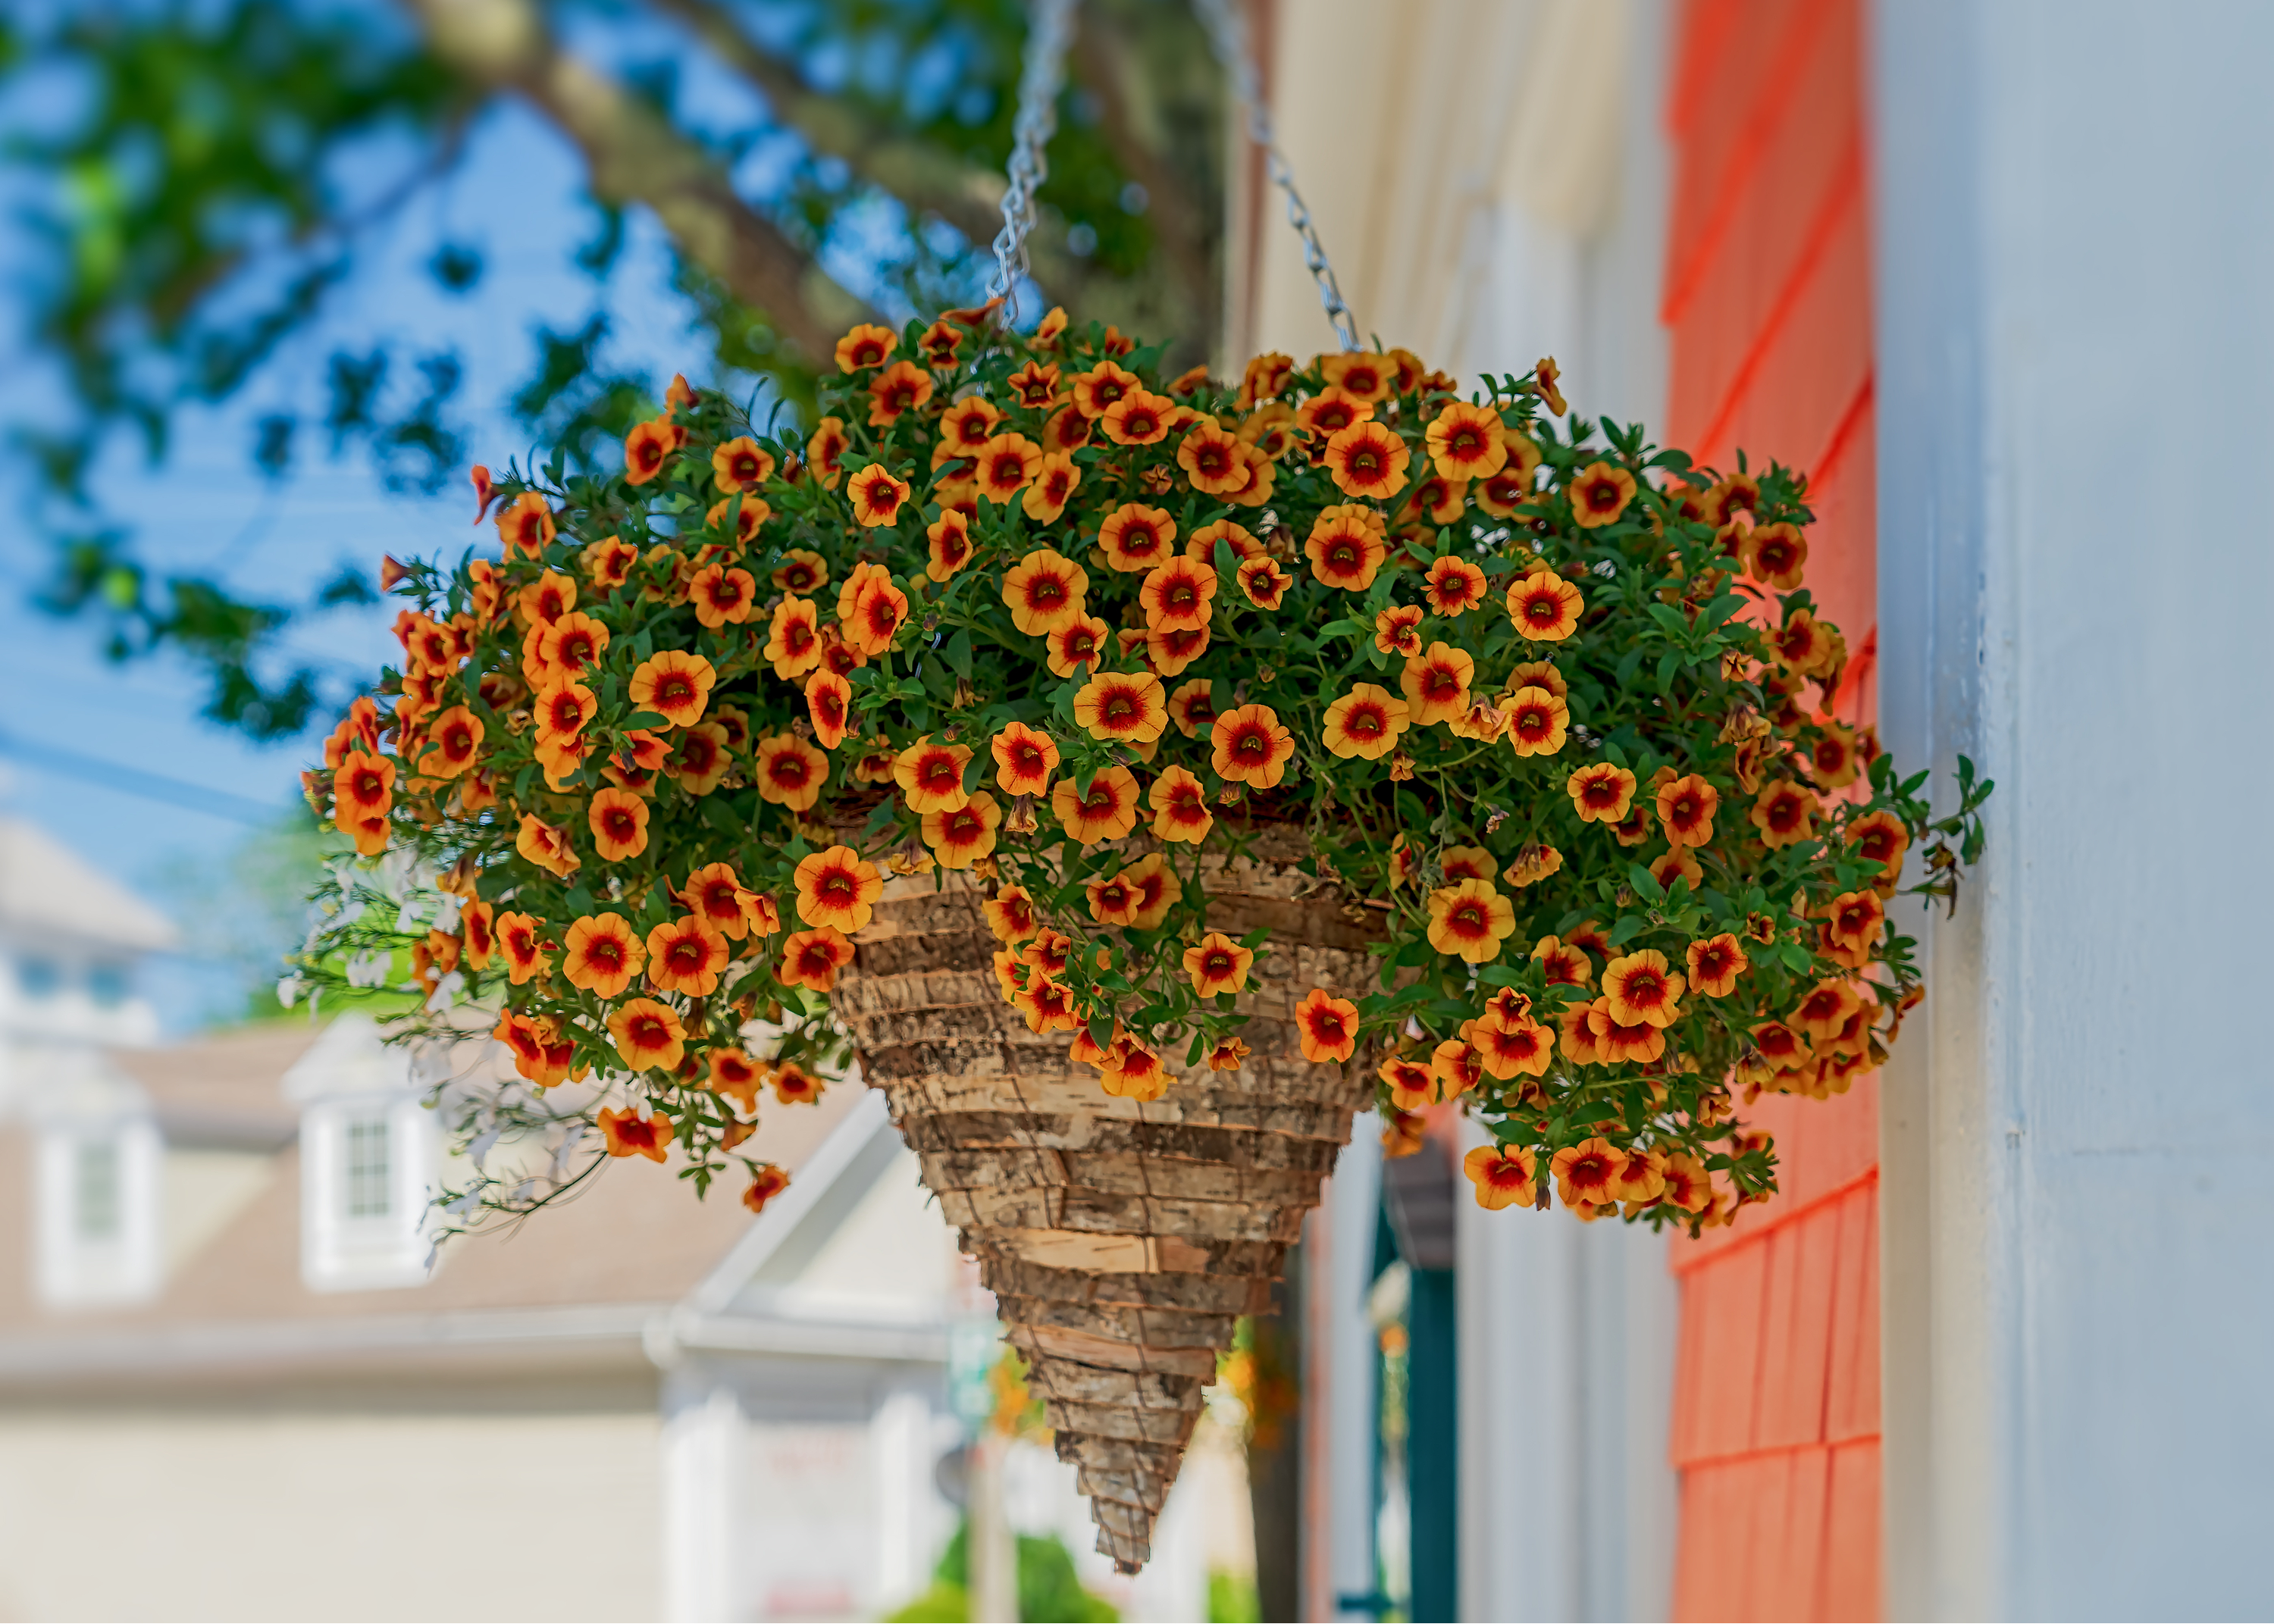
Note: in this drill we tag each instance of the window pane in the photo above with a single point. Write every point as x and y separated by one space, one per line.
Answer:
94 1191
367 1181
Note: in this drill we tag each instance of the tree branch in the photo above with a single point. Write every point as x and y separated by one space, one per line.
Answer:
634 156
1098 53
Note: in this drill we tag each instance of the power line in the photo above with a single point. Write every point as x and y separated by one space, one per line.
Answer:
133 781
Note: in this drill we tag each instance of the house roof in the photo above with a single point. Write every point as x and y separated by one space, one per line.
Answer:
224 1089
635 1240
47 891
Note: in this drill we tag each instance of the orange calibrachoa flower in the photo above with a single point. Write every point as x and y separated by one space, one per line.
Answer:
675 686
1466 442
1600 495
1346 546
877 495
865 346
1471 918
1179 803
836 887
828 703
1178 593
628 1133
1103 809
686 955
930 776
1686 806
1096 390
1368 460
871 609
525 525
1639 989
1138 419
903 386
545 845
722 597
1545 606
1586 1171
963 836
1455 586
790 771
1504 1175
1011 915
948 542
602 955
1077 648
1218 965
1326 1026
767 1182
1436 684
521 939
1785 814
1716 963
619 821
1251 747
1122 708
1365 722
1136 538
1043 592
794 1085
1024 759
741 464
1600 791
1264 582
1537 720
811 958
1007 464
647 447
1052 486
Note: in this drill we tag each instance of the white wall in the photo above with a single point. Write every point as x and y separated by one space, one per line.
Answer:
329 1515
2077 376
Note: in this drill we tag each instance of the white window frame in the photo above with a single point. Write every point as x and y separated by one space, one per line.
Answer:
78 1270
342 1249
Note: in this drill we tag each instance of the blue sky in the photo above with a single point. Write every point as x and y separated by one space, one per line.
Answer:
207 507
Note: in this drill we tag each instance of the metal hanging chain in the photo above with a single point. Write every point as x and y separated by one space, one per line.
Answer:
1042 76
1228 34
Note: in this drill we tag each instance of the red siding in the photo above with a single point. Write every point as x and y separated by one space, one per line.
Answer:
1767 292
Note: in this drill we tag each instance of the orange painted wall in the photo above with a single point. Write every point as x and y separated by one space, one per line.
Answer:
1768 298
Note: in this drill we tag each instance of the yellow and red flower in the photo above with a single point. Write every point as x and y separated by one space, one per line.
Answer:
525 524
794 643
767 1181
930 776
674 685
865 346
546 846
1545 375
1052 488
794 1085
521 939
1413 1083
877 495
628 1133
1249 747
790 772
1180 810
1504 1175
1043 591
836 887
1178 593
1785 814
1122 707
1264 582
1470 919
1140 418
1345 547
1011 915
1511 1046
1137 539
1369 377
1545 606
739 464
686 955
1602 792
871 609
1599 495
1775 555
1007 464
1214 461
1686 806
1466 442
1639 989
602 954
1132 1071
1715 965
811 958
828 703
1453 586
713 895
960 837
1104 809
1436 684
1097 390
1036 385
1168 649
721 596
1218 965
1587 1171
1365 722
648 447
1326 1026
1852 923
619 823
903 386
1330 411
1025 758
1368 460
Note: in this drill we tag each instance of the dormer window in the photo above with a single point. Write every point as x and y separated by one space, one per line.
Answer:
365 1182
97 1195
110 985
370 1160
40 978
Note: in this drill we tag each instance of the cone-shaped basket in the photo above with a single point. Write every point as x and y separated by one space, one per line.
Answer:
1122 1240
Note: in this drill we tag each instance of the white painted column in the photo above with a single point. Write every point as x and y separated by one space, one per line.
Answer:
703 1506
1340 1394
2076 248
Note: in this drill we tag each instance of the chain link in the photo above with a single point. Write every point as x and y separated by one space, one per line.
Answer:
1228 35
1041 75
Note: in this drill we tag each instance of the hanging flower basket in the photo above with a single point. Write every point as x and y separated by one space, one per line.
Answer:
1140 774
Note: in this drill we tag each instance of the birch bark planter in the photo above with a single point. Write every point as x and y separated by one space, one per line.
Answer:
1122 1239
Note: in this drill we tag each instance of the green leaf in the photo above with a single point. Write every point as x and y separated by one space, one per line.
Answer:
1101 1028
958 653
